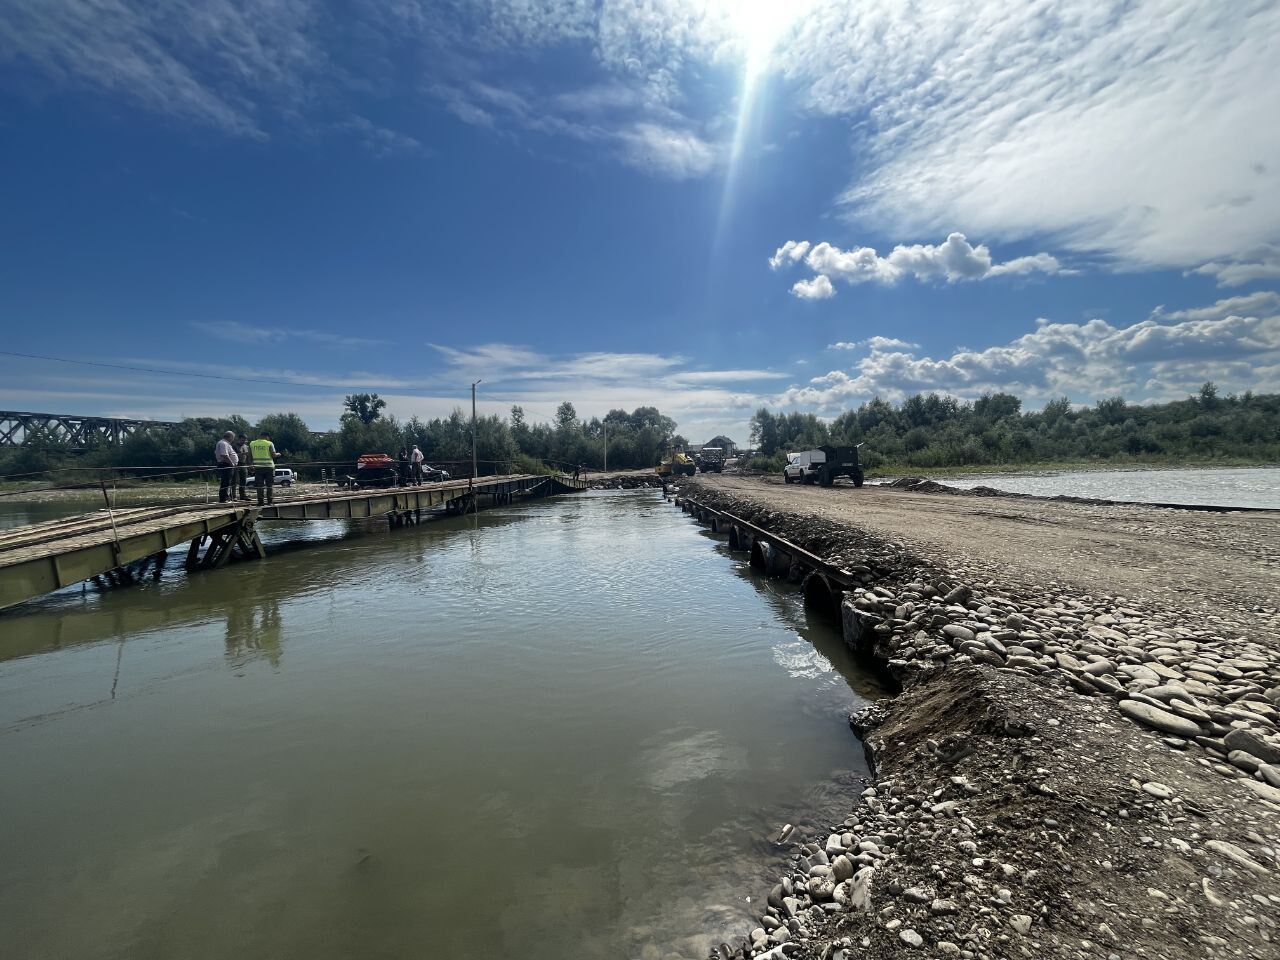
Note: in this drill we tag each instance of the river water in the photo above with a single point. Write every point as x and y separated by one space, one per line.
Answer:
559 729
1225 487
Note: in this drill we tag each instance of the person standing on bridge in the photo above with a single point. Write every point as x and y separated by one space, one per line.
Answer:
264 468
415 465
227 459
245 457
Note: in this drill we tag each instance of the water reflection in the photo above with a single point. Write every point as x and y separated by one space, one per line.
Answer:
254 632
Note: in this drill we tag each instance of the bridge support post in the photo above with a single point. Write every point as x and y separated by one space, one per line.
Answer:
240 541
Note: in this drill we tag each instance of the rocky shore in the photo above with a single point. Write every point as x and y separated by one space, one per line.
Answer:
1064 774
624 481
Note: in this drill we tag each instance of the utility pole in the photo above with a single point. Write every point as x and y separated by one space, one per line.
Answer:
605 424
473 442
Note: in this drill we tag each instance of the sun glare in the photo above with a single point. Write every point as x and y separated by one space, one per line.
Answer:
757 27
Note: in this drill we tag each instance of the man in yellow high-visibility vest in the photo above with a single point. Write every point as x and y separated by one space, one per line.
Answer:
263 452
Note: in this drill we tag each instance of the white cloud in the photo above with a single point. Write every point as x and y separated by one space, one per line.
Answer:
1154 359
237 332
703 402
1131 129
954 259
875 343
382 141
1263 264
667 151
1251 304
217 62
817 288
726 376
791 252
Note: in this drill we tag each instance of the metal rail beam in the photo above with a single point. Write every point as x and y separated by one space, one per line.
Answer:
844 578
18 427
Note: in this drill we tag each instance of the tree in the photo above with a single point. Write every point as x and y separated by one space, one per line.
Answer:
288 432
764 432
566 415
1209 395
365 407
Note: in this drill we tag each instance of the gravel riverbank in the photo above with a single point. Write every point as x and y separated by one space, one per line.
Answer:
1070 770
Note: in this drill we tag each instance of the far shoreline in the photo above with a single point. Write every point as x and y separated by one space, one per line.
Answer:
1048 468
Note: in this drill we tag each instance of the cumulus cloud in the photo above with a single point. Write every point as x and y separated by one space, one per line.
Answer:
953 260
818 288
792 251
1155 359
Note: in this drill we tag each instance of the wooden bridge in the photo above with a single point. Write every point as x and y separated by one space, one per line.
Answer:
121 545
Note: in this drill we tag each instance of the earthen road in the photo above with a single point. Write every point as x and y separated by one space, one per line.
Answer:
1211 562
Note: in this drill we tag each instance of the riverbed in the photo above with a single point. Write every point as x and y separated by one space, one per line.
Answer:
559 729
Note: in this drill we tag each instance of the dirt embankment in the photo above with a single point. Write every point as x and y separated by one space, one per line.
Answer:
1085 757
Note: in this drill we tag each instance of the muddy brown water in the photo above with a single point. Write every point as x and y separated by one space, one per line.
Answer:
559 729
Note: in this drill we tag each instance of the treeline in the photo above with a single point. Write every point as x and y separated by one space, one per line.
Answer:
636 439
929 430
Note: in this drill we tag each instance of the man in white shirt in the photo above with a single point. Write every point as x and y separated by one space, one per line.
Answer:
225 454
415 464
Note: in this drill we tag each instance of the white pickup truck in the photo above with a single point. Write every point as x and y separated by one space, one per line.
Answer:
802 466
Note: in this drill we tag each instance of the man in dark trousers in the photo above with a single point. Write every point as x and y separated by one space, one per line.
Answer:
264 468
226 457
242 471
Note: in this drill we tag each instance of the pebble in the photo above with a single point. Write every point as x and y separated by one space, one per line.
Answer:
1251 743
1235 855
1021 923
1159 719
1157 790
910 937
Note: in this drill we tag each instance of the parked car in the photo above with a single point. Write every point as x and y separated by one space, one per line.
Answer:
823 465
284 477
800 466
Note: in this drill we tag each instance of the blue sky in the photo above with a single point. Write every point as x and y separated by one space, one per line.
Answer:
702 206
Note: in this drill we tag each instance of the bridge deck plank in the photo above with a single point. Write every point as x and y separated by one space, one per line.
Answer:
67 535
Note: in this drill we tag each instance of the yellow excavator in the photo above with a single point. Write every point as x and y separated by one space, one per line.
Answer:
676 463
